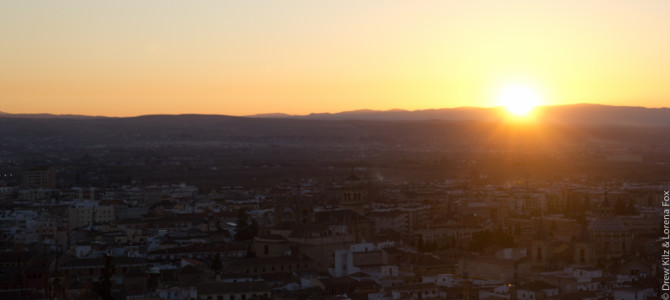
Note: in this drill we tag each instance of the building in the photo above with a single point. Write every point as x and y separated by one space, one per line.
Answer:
389 220
271 265
39 178
361 256
584 248
233 291
85 213
541 247
612 238
353 195
536 290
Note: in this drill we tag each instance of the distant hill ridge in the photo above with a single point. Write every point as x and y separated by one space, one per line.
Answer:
46 116
560 114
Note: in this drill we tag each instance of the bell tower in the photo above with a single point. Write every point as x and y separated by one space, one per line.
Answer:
540 247
584 251
353 194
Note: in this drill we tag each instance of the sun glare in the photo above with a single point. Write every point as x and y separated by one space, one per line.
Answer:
518 99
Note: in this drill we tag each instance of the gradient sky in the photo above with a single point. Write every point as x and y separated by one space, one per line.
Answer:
127 58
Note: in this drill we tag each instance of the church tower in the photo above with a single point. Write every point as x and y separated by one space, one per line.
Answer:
611 237
541 247
584 249
606 209
353 195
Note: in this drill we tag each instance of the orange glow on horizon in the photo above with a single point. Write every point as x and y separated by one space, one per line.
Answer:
129 58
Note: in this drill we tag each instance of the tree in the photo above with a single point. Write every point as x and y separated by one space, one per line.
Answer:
621 207
630 207
483 239
253 228
241 225
243 230
105 286
586 204
216 263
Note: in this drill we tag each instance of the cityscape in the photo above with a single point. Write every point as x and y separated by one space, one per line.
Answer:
145 209
335 150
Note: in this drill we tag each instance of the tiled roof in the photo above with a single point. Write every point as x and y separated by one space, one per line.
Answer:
537 286
214 288
607 224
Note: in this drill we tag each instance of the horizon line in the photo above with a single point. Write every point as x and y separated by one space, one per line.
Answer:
9 114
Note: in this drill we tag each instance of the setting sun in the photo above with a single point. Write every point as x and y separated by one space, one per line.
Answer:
241 58
518 99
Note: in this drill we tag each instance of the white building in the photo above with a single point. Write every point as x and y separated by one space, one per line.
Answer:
87 212
347 261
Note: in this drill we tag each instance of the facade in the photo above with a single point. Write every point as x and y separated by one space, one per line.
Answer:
541 247
353 195
40 177
233 291
536 290
389 220
272 265
358 257
611 237
86 213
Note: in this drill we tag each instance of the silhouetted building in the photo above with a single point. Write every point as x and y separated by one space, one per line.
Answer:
612 238
40 177
86 213
353 195
295 211
541 247
584 248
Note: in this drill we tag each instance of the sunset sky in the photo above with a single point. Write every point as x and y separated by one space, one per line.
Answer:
128 58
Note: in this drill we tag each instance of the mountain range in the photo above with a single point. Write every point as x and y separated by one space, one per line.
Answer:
576 114
560 114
